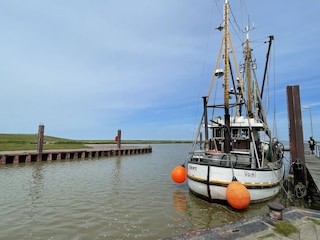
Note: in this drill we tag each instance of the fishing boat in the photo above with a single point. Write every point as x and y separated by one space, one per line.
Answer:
234 142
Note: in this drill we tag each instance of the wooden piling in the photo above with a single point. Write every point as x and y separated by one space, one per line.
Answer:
296 134
119 139
15 157
40 142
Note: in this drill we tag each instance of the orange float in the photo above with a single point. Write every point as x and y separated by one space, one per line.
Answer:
238 195
178 174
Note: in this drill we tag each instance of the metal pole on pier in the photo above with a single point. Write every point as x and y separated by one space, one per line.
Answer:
309 108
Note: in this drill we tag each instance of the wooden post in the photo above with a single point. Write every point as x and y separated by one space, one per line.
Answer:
119 139
40 138
296 134
40 142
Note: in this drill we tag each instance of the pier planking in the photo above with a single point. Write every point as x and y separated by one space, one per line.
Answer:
313 165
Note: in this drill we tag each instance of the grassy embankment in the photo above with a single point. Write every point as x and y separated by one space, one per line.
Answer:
15 142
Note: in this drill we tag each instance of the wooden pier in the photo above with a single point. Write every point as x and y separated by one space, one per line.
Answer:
312 162
305 165
14 157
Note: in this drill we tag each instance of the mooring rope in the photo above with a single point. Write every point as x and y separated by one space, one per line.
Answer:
281 184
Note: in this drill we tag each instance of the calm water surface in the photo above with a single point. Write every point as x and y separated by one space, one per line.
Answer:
124 197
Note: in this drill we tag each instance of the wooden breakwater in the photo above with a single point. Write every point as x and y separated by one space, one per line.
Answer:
15 157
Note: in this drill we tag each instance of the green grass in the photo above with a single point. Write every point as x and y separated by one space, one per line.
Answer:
285 228
315 221
269 235
16 142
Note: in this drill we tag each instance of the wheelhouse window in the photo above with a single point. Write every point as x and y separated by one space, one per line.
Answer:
217 133
244 132
240 133
235 133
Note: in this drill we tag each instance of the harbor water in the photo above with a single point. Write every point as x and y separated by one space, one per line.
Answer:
121 197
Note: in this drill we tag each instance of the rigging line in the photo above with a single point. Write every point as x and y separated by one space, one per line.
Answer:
236 32
193 147
267 98
237 67
207 45
255 152
256 46
262 39
218 8
204 64
244 9
281 184
234 19
260 42
274 96
216 67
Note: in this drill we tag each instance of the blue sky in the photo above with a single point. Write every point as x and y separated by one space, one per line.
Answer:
85 69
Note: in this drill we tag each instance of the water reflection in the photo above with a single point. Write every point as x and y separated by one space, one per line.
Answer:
36 183
200 213
203 214
116 179
180 201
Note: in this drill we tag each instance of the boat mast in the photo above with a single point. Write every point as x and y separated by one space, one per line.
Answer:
248 70
226 80
271 38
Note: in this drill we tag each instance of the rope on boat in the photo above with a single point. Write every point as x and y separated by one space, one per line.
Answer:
281 184
254 144
233 176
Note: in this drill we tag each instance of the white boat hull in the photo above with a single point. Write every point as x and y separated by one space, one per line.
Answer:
211 182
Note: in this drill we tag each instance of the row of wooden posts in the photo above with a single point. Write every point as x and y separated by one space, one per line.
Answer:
56 155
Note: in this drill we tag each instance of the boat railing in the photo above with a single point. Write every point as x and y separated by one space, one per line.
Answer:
308 150
198 153
243 152
238 161
317 150
216 158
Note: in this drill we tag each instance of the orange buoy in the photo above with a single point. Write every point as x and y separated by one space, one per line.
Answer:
178 174
238 195
116 138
